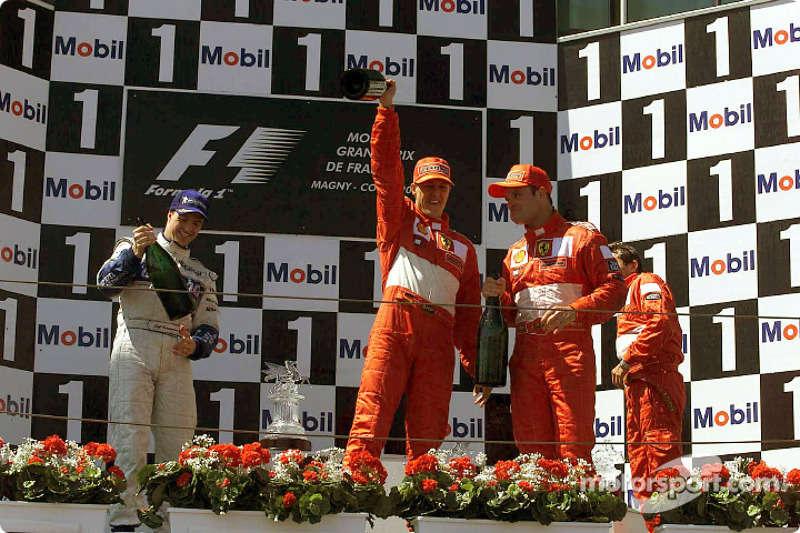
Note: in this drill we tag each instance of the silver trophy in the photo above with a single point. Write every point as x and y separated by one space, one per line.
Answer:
285 432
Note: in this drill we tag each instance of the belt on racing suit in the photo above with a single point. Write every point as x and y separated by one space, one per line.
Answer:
404 295
167 328
664 367
534 327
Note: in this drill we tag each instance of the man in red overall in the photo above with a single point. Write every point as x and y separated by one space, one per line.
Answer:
561 278
649 352
426 267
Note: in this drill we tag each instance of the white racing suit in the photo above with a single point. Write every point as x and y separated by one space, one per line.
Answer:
148 384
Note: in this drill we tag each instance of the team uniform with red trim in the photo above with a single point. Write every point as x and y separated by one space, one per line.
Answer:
553 375
426 268
654 392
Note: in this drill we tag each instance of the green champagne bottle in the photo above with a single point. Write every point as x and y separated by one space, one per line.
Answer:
164 274
492 362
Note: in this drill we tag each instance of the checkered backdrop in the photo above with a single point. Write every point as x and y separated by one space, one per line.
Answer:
680 137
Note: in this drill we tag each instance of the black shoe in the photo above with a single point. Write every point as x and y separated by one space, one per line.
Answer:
124 528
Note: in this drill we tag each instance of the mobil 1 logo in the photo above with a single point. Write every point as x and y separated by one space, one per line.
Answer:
162 53
228 411
722 191
27 31
778 257
17 341
520 136
253 11
526 20
588 72
777 99
20 192
70 259
84 118
718 47
780 399
666 257
72 397
307 62
238 262
308 338
722 344
360 290
654 129
451 71
597 200
376 15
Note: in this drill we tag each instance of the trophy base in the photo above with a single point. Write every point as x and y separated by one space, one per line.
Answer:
284 443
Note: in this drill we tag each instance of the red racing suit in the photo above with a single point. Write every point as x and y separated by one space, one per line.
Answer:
654 395
424 266
553 375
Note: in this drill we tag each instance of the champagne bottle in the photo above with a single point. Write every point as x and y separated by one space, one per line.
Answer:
492 346
362 84
164 274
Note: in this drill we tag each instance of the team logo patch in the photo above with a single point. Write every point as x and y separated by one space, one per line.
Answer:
455 260
613 266
653 296
543 248
420 242
553 264
518 257
422 228
445 243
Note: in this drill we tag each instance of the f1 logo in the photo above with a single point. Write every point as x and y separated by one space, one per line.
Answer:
258 158
9 305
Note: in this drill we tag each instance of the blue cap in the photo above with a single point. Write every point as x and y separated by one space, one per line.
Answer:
190 201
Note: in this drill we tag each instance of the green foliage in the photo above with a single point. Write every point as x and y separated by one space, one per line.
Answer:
58 471
526 489
296 487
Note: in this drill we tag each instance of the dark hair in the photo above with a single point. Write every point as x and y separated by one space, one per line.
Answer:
627 253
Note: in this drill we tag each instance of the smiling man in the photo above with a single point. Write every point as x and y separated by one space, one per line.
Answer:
558 280
426 268
150 374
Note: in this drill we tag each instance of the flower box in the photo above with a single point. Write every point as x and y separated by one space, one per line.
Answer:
35 517
424 524
690 528
184 520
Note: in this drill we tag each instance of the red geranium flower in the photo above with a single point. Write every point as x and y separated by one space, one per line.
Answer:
117 471
429 485
54 445
289 456
453 487
525 485
462 467
793 477
35 459
423 463
106 452
504 469
184 479
365 468
310 476
289 500
230 453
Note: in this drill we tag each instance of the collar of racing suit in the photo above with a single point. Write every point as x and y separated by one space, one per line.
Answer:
440 224
631 278
534 233
174 249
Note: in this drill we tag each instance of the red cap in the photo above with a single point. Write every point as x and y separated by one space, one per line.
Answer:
432 168
521 176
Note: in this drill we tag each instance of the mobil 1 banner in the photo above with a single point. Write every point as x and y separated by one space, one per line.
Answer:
284 165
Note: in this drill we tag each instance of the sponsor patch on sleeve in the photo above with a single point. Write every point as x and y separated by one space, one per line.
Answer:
613 266
653 296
